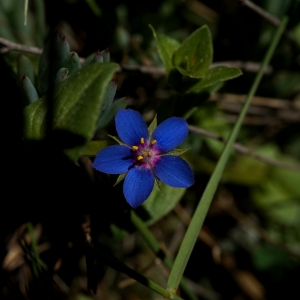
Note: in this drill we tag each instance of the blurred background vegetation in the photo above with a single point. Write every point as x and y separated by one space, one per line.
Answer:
249 247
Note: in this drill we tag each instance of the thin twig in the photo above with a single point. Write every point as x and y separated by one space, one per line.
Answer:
267 16
248 66
244 150
245 220
270 18
274 103
19 47
159 71
202 10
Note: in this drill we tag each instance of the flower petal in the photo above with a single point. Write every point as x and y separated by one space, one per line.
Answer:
131 126
170 134
114 159
138 185
174 171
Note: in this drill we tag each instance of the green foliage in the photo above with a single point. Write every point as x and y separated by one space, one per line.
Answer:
29 92
152 127
25 67
108 97
278 197
213 76
208 194
160 204
108 115
187 65
94 147
194 56
166 47
61 75
75 107
71 62
72 106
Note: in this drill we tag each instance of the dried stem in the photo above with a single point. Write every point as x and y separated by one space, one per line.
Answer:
159 71
10 46
270 18
274 103
267 16
244 150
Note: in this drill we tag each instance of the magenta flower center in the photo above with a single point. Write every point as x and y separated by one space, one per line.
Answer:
145 153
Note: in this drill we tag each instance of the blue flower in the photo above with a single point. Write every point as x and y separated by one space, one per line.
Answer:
144 157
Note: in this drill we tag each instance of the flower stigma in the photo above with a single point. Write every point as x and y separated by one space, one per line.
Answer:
145 152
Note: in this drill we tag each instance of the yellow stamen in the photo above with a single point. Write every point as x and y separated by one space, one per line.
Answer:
149 153
153 142
145 153
140 157
135 147
142 140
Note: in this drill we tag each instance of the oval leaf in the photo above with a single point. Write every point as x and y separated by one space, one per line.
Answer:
217 74
194 56
158 205
76 105
166 47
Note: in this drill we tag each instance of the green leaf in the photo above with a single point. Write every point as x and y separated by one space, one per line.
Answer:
197 220
157 184
28 90
213 76
55 52
117 140
93 147
120 178
106 55
45 70
110 113
98 58
94 7
175 152
25 67
71 62
179 82
40 25
166 47
35 119
109 95
152 126
188 73
266 258
61 75
278 196
158 205
62 50
194 56
76 105
88 60
118 233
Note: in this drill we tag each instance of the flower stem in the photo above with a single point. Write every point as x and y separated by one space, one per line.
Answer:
205 201
121 267
154 245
